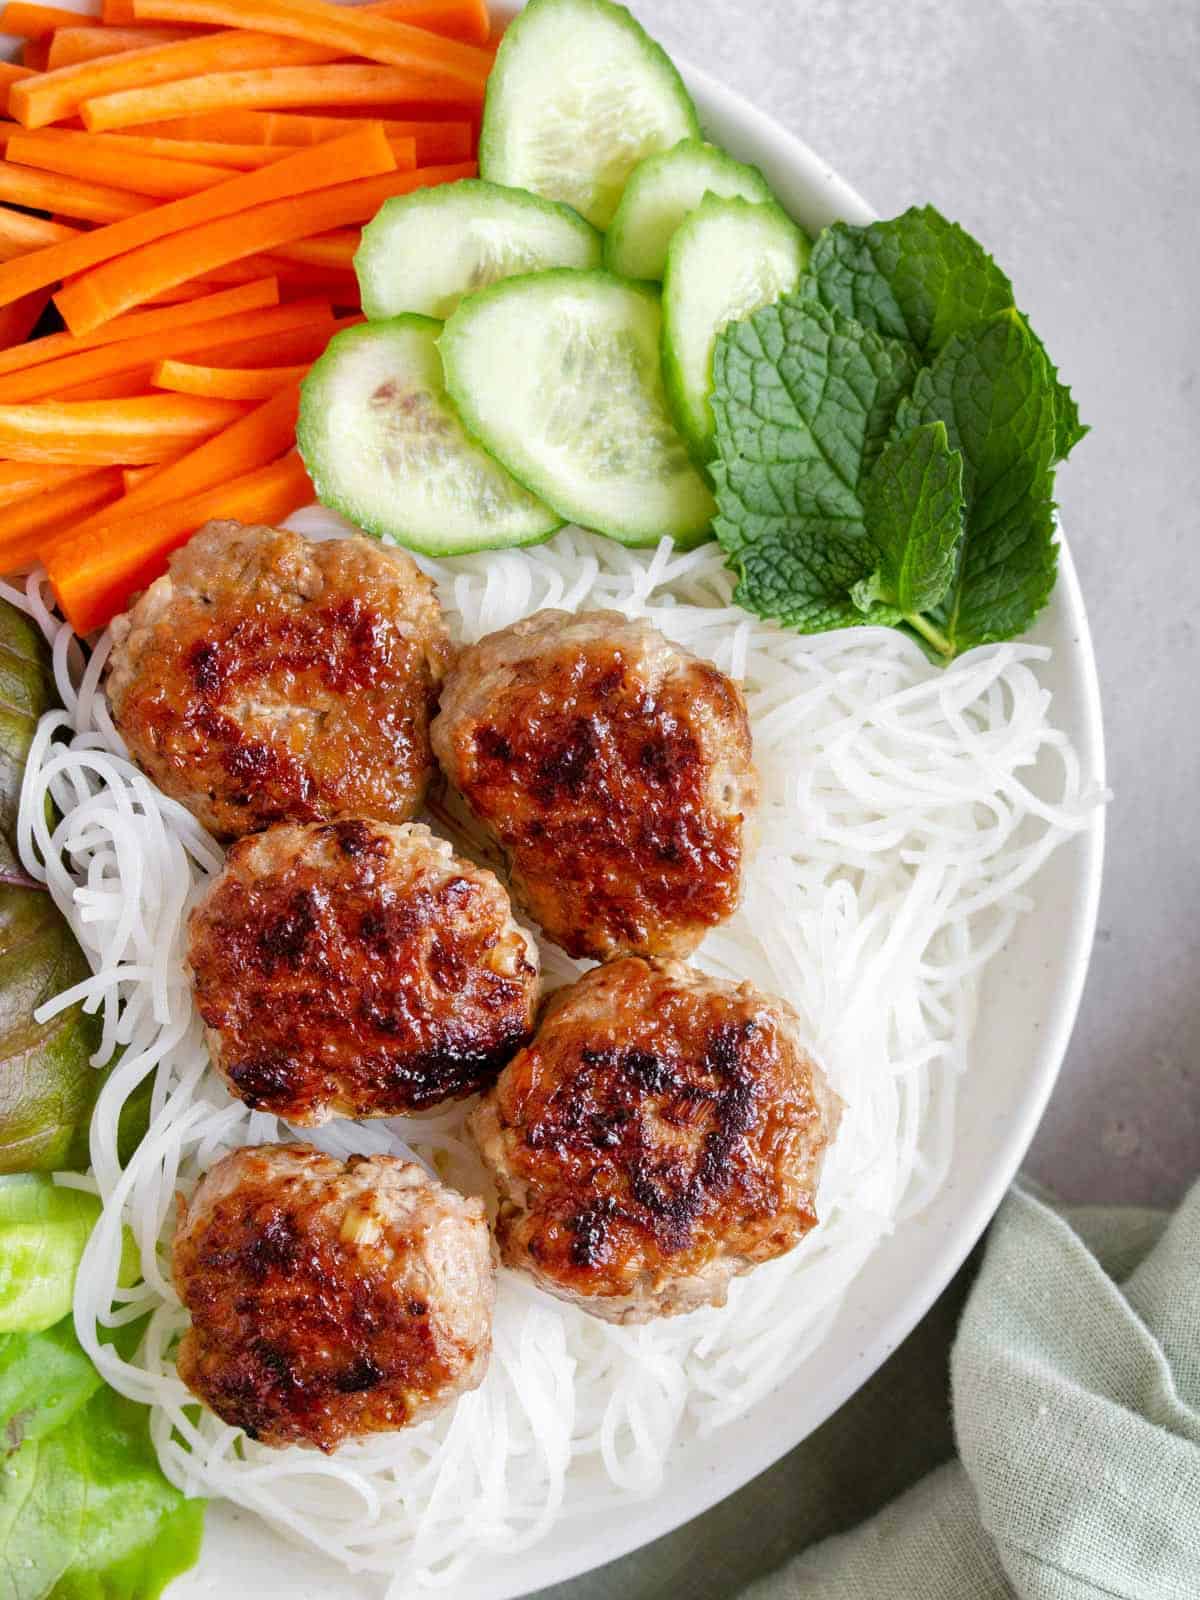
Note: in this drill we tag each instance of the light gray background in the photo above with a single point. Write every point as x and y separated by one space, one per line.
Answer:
1064 134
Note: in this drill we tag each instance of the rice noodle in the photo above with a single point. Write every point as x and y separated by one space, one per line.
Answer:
905 810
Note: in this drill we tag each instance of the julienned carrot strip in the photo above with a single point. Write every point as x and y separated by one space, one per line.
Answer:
20 233
121 386
35 53
226 383
457 19
266 134
117 13
26 526
336 85
349 30
249 127
103 361
206 152
329 251
302 344
17 320
94 577
105 433
56 95
10 73
73 197
21 479
34 22
70 46
82 156
122 284
145 324
362 154
131 477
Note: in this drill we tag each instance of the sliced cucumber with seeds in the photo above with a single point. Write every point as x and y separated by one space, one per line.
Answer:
726 260
384 446
559 374
425 250
578 96
661 191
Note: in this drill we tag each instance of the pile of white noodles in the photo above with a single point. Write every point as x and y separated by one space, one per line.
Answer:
898 836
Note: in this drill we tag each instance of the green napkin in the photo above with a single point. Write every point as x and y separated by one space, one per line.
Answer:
1075 1380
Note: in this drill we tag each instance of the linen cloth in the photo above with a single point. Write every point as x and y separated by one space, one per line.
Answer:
1073 1402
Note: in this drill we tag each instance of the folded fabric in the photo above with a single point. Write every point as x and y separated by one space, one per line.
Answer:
1075 1380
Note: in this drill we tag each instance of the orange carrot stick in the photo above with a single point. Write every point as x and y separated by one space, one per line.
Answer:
457 19
109 432
94 577
70 46
145 324
206 152
17 320
302 344
117 13
35 53
50 378
20 233
225 383
26 526
10 73
73 197
21 479
82 156
349 30
131 477
34 22
56 95
243 131
329 250
336 85
122 284
360 155
121 386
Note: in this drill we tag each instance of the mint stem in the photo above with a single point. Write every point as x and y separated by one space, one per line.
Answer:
927 631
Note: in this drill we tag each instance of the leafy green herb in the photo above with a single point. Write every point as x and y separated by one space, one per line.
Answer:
804 400
43 1230
923 279
887 440
914 508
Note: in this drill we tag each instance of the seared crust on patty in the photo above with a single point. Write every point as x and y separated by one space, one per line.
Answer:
663 1132
358 969
615 771
269 677
329 1299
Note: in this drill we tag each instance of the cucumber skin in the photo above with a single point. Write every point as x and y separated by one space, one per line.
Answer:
462 402
308 425
701 442
491 136
435 198
616 249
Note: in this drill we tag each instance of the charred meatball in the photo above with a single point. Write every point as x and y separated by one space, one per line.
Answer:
267 678
330 1299
615 771
663 1133
358 969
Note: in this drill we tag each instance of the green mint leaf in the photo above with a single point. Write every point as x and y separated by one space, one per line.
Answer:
923 279
993 389
914 504
803 400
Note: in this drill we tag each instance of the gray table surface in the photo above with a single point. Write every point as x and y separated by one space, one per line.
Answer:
1065 135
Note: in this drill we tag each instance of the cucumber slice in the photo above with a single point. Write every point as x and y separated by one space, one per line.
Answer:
559 374
660 193
726 260
384 446
578 96
427 249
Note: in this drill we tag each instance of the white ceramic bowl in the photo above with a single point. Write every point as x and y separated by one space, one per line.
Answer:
1030 997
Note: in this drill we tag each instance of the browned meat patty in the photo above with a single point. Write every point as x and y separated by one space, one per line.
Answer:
358 969
663 1133
267 677
330 1299
615 771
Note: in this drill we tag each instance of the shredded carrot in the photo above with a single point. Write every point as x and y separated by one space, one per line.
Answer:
26 526
18 320
70 46
73 197
145 324
360 155
56 95
124 283
49 378
79 155
457 19
94 576
349 30
109 432
34 22
338 85
20 233
226 383
20 479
